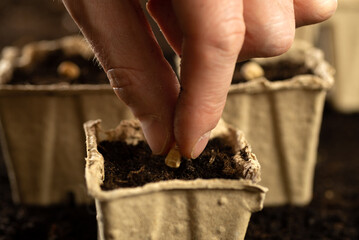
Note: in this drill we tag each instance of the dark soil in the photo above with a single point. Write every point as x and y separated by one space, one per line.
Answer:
46 71
271 72
132 166
58 222
287 70
66 222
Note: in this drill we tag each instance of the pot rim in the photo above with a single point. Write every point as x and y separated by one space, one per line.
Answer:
95 173
27 56
53 89
170 185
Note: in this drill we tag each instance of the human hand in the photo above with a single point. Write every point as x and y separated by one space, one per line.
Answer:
209 35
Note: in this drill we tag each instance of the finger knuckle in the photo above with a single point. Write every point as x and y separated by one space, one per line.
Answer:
207 107
279 46
123 81
277 43
227 36
211 109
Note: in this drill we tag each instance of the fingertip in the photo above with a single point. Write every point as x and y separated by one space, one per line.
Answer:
328 8
151 100
200 145
314 11
193 126
157 135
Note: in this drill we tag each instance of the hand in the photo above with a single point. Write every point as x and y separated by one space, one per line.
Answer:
209 35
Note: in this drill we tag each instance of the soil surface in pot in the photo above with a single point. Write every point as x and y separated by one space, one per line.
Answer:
132 166
46 71
279 71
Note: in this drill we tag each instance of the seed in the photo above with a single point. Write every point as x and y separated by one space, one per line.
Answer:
329 194
69 70
173 158
252 70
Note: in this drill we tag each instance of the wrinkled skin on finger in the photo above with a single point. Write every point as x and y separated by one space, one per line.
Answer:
128 51
209 35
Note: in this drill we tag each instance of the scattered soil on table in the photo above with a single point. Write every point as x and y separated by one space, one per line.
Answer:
45 223
275 72
132 166
46 71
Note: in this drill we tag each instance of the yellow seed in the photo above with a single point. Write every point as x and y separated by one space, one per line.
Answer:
69 69
173 158
252 70
329 194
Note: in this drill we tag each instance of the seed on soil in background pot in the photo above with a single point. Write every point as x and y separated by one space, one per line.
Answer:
69 70
251 70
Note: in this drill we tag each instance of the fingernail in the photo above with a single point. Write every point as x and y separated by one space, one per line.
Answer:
200 145
155 133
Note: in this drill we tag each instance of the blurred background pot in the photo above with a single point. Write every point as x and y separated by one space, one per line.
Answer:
42 115
173 209
338 38
281 117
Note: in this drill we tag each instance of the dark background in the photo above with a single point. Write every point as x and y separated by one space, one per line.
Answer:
23 21
332 214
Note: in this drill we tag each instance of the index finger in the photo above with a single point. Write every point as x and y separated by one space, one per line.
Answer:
138 72
213 33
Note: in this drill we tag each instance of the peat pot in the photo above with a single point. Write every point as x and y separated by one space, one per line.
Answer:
278 104
47 91
172 209
339 40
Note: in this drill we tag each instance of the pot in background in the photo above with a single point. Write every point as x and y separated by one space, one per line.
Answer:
281 118
41 125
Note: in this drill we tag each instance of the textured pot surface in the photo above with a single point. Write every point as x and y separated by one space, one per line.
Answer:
41 131
175 209
339 40
281 120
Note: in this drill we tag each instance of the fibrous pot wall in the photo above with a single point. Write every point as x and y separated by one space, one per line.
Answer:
42 137
281 118
174 209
